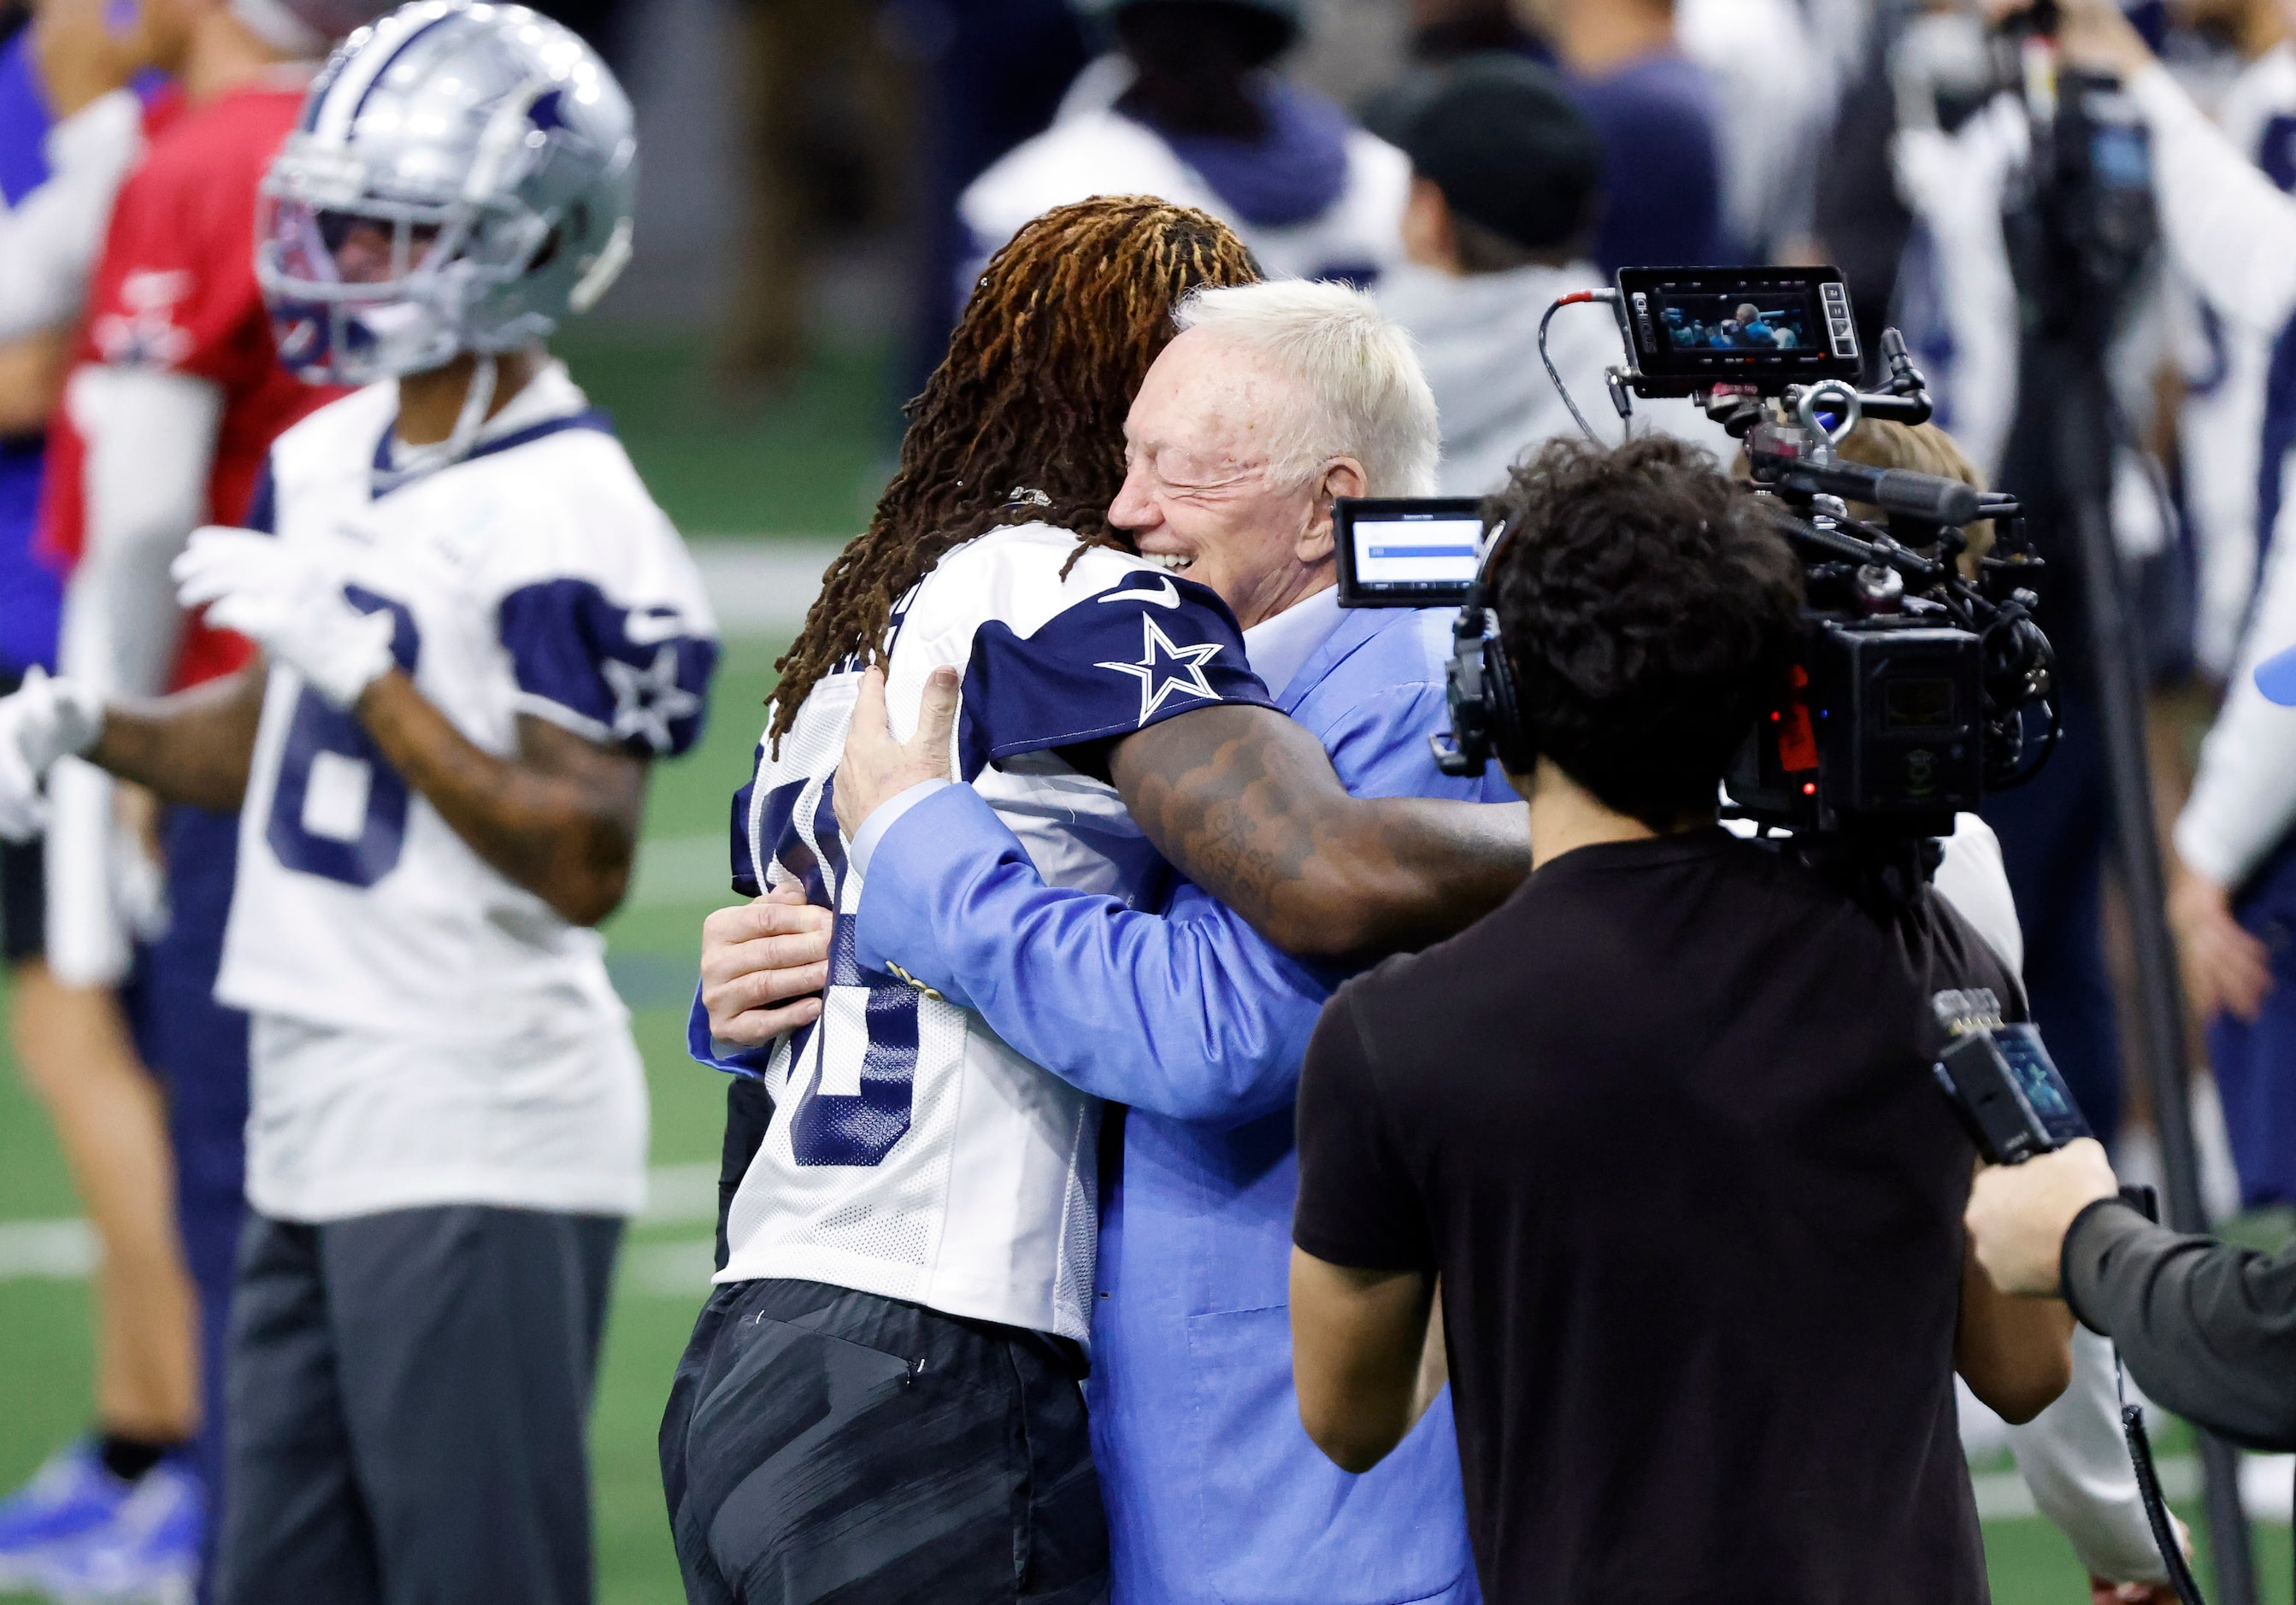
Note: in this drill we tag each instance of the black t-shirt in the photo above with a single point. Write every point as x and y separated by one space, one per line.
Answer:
1665 1124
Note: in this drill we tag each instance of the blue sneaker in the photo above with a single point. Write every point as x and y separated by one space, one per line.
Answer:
147 1555
70 1497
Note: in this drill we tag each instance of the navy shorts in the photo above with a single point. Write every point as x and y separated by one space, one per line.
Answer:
23 885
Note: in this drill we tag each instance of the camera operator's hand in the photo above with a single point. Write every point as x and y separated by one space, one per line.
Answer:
2226 970
2019 1214
2101 1592
876 768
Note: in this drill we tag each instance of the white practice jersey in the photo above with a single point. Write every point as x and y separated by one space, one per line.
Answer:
534 577
912 1153
1095 150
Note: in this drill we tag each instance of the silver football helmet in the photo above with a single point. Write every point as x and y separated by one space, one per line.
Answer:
461 180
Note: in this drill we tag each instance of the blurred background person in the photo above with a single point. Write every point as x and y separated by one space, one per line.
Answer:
1506 186
1190 107
1657 113
174 396
70 128
2221 360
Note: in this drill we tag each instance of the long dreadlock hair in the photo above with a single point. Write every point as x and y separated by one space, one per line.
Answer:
1023 421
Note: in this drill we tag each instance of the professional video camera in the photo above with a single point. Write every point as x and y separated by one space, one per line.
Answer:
1908 698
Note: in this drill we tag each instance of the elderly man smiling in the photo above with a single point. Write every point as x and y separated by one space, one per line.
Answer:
1275 399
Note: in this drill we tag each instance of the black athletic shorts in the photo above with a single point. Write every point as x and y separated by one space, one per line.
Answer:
828 1447
23 884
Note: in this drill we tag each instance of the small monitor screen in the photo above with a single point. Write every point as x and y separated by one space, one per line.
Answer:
1421 552
1692 328
1755 322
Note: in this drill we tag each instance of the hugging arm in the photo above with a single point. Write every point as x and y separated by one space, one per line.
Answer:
1246 803
1187 1013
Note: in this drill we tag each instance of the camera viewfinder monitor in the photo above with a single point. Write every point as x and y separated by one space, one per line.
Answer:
1407 551
1693 328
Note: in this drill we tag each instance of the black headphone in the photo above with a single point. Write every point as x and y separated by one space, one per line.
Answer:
1478 685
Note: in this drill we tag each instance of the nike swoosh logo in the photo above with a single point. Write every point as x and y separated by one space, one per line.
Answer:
1168 597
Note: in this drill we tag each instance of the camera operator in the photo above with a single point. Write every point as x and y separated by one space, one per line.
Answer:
1663 1125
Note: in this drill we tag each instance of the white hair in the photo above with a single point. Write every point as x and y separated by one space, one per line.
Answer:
1360 390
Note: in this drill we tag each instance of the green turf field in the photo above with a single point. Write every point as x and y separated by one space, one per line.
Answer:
808 464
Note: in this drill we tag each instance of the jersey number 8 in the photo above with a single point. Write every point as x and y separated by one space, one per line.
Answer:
339 809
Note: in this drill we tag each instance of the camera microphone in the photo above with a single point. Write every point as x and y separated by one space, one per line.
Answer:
1932 498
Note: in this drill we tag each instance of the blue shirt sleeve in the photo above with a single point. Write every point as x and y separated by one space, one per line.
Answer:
1131 657
628 676
705 1050
1187 1014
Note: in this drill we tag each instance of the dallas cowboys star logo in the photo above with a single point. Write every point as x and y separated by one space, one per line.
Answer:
1164 668
647 701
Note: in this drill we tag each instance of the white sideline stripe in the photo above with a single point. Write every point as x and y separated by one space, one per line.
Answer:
66 1250
59 1250
762 584
674 870
2267 1482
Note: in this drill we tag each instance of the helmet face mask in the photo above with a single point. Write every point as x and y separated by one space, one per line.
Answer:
460 181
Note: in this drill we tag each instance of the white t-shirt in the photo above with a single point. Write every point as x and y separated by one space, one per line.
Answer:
912 1153
534 578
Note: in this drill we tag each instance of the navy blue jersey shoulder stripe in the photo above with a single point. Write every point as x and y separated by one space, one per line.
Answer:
596 420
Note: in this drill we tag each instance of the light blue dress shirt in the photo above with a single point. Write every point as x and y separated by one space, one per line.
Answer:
1198 1027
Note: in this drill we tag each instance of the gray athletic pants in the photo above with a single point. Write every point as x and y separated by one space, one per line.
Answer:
408 1397
828 1447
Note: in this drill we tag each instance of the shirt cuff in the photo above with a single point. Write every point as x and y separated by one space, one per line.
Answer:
887 815
2077 1266
2203 854
104 130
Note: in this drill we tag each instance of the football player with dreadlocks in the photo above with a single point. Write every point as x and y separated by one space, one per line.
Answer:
477 632
881 1397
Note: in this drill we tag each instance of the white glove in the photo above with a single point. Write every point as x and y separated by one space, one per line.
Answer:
289 600
43 720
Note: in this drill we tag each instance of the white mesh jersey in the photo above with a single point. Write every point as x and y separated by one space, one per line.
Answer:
912 1153
535 577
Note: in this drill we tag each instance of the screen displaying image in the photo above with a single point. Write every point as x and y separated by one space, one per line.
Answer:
1754 321
1425 550
2044 1088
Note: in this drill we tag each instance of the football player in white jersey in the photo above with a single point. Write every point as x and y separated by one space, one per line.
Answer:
880 1400
477 632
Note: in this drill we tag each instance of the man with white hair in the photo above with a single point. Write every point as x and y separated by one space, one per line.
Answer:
1273 400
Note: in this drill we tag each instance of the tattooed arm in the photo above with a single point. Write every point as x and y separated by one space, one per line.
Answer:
561 819
1245 803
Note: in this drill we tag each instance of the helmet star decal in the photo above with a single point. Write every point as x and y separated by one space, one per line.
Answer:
1165 668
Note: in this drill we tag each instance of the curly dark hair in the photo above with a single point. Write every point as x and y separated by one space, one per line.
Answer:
1023 421
1648 606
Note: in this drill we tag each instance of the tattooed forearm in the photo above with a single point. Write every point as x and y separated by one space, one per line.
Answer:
193 747
561 819
1246 803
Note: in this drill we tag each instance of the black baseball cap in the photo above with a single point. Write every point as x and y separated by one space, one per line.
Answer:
1503 140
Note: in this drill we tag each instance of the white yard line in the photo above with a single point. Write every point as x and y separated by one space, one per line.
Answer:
674 870
66 1250
762 584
